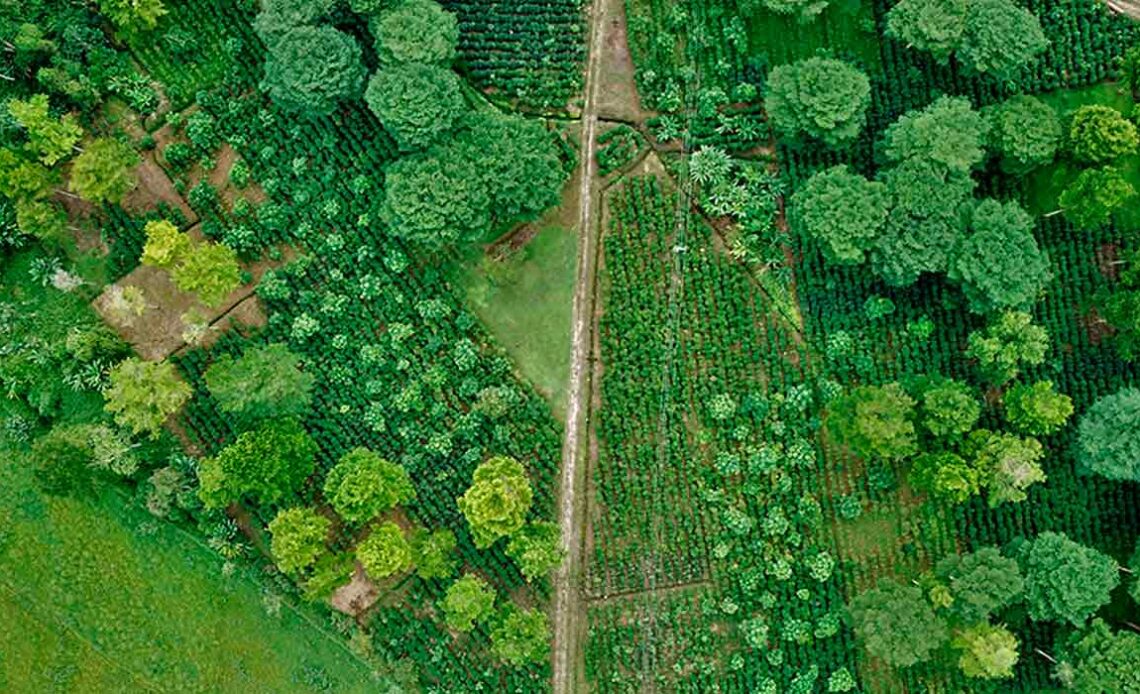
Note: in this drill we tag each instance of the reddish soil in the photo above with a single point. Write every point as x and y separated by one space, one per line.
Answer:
155 187
1097 328
1108 260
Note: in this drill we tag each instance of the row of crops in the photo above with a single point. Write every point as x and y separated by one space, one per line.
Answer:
711 567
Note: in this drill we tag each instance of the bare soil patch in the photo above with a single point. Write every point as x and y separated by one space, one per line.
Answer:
355 597
617 97
155 188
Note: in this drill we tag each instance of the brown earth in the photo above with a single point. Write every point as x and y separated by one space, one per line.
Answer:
355 597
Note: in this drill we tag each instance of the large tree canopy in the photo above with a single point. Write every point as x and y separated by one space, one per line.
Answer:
435 199
930 207
948 408
874 421
897 624
981 583
416 31
497 501
937 26
1009 342
467 601
266 464
143 394
1008 464
362 485
1099 660
1000 265
1001 38
417 103
104 172
1090 200
1024 131
823 98
298 538
948 132
1037 409
385 551
263 382
1065 581
1108 436
311 69
843 211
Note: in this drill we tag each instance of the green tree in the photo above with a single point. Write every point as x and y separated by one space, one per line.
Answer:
929 210
517 159
1025 131
1007 343
948 132
897 624
935 26
416 31
435 200
1065 581
1001 38
210 271
362 485
843 211
24 180
417 103
385 551
874 422
536 548
433 553
981 583
948 408
1108 436
132 17
297 12
803 10
468 601
62 462
266 464
104 172
1100 660
50 139
987 651
142 395
520 636
311 69
44 220
1119 306
264 381
497 501
822 98
297 538
1038 409
945 475
1009 464
1000 265
1099 134
1090 200
165 246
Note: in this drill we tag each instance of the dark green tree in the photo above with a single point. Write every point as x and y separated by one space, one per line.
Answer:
897 624
266 465
1098 660
981 584
435 199
843 211
822 98
1024 131
263 382
1001 38
417 103
433 553
311 69
1000 265
1108 436
874 422
416 31
1065 581
520 636
948 132
935 26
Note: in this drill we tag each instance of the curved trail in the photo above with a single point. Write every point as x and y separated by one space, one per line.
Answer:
570 506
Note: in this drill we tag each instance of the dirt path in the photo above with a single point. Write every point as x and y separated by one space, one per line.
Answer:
567 580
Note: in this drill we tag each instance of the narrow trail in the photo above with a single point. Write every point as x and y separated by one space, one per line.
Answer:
567 597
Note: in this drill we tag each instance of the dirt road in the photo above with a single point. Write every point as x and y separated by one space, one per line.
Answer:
567 592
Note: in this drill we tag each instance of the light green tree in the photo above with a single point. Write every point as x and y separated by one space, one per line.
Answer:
50 139
520 636
362 485
1037 409
297 538
468 601
1009 342
264 381
104 172
385 551
416 31
433 553
874 422
497 501
210 271
987 651
536 548
142 395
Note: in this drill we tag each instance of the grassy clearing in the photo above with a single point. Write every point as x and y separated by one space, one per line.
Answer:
1044 186
526 302
99 597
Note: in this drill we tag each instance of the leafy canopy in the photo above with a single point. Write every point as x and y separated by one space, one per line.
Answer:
1099 134
143 394
948 132
266 465
1000 265
987 651
297 538
1009 465
897 624
874 422
1001 38
263 382
362 485
385 551
1038 409
311 69
416 31
520 636
948 408
50 139
210 271
417 103
497 501
935 26
1007 343
434 553
1065 581
104 172
1108 436
536 548
1103 661
1025 131
823 98
467 601
1090 200
843 211
981 583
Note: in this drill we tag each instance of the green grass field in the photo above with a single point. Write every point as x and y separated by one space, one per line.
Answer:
100 597
1044 186
526 302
